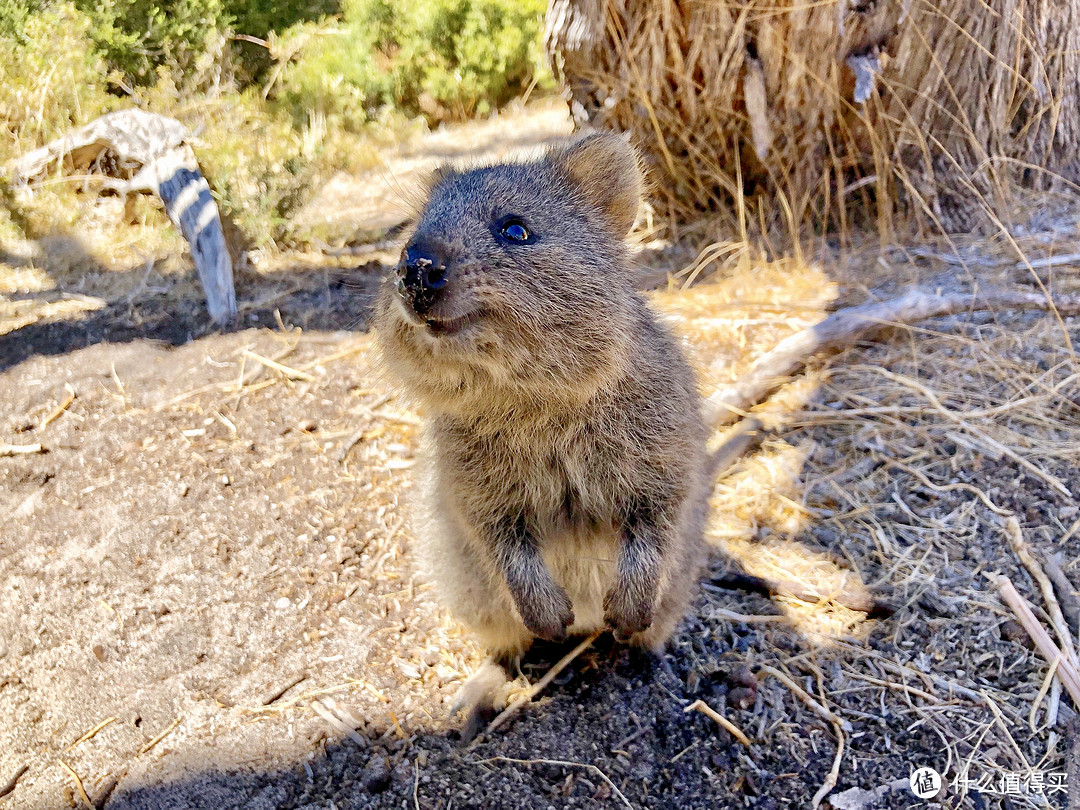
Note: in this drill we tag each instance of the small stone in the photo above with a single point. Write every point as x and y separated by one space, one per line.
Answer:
742 697
1014 632
284 603
693 681
744 676
376 775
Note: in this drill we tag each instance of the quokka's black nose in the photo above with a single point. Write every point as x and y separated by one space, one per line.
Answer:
421 276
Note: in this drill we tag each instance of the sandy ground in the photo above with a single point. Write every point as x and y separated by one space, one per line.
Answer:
207 597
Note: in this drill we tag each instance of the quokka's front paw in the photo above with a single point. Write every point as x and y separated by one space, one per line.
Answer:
547 614
626 615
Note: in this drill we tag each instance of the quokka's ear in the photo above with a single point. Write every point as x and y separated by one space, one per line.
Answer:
605 169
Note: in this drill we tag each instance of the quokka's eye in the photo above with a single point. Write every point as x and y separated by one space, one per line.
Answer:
515 230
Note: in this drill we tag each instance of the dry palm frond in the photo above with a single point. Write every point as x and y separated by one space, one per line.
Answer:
776 112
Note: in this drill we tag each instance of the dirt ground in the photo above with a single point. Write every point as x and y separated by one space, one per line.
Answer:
207 596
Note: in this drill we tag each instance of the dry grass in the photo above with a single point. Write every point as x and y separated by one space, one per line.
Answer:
747 111
923 420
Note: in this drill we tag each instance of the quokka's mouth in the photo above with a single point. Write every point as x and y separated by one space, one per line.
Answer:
450 326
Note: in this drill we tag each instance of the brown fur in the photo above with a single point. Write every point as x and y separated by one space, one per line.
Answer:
568 480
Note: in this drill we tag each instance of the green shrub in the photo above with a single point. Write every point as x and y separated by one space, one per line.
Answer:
445 59
51 78
263 18
136 37
339 85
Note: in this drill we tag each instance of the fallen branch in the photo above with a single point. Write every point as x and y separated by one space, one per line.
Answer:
1070 606
1053 609
1066 673
719 719
152 152
540 685
845 326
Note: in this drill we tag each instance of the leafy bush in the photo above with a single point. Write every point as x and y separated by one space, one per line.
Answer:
261 167
445 59
50 77
338 84
138 36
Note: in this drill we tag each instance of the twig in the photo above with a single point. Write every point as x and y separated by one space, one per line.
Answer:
712 714
63 406
1053 609
845 326
1049 679
994 444
291 373
1070 606
78 785
19 449
926 482
540 685
160 736
564 764
629 738
903 687
805 697
746 618
1046 646
1072 761
944 683
834 772
1049 261
92 732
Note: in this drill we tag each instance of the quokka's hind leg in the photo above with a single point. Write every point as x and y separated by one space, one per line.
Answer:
507 639
484 691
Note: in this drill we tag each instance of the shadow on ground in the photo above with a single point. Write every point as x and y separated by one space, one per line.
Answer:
312 297
612 731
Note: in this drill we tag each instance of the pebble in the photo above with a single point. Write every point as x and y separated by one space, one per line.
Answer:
742 697
376 775
284 603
